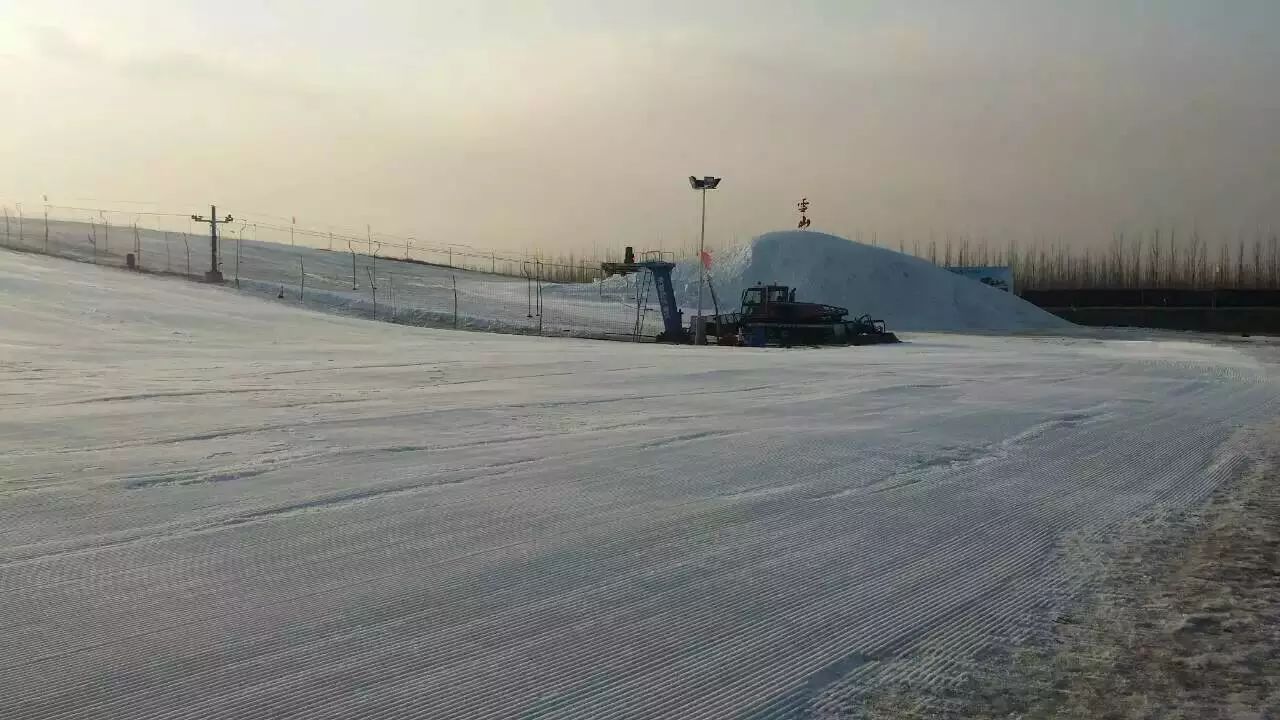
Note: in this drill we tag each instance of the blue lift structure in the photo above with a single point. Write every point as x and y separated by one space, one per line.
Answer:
673 329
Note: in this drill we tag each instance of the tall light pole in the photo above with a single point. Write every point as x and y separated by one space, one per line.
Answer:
703 185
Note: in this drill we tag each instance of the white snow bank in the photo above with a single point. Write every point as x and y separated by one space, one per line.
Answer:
906 292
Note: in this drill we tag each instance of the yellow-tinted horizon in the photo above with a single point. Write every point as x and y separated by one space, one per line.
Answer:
568 124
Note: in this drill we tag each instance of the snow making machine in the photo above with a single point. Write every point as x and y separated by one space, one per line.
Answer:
768 314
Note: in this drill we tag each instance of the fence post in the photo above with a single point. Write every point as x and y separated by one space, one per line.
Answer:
636 332
302 280
187 242
46 229
354 285
373 290
455 300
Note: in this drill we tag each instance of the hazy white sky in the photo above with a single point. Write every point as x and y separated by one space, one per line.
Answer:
573 123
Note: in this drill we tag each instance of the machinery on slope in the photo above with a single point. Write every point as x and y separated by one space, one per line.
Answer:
771 315
768 315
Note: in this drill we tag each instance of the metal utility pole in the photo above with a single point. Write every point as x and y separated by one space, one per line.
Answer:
704 184
215 274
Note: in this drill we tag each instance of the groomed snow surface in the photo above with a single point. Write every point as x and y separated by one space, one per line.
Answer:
214 506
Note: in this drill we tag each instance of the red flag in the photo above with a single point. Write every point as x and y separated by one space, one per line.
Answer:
706 259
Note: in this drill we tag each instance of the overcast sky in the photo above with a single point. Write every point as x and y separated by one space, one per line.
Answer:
572 123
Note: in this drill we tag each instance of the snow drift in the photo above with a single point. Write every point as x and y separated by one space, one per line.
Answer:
905 291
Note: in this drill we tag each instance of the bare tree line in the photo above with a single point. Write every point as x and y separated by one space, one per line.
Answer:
1158 259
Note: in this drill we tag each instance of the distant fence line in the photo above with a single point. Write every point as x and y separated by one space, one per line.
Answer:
19 220
1165 258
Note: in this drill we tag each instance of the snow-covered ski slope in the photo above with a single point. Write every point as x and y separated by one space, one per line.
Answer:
339 281
214 506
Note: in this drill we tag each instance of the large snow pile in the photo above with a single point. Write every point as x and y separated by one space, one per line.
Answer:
906 292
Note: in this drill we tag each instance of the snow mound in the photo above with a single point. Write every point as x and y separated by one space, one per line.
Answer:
906 292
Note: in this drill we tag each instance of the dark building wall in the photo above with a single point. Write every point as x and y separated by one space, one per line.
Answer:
1230 311
1152 297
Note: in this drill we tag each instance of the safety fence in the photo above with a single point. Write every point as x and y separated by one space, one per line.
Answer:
113 228
533 297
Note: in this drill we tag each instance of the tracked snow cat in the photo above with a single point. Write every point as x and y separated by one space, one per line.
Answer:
771 315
